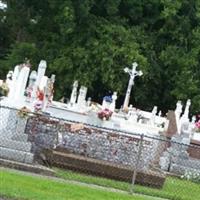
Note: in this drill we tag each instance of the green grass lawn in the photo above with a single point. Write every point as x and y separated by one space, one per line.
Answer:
26 187
174 188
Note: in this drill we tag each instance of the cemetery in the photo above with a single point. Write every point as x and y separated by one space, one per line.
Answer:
103 140
99 100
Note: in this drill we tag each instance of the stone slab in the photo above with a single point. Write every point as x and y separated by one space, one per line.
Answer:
15 145
35 168
172 127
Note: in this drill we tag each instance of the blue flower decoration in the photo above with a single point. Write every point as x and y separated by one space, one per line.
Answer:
108 99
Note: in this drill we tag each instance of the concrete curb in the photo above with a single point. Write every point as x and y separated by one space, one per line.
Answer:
35 168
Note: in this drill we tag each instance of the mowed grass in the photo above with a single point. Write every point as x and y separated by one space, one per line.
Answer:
174 188
20 186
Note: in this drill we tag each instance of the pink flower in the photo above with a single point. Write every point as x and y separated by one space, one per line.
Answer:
106 113
197 125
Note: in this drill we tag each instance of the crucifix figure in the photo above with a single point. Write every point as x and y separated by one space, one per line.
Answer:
133 73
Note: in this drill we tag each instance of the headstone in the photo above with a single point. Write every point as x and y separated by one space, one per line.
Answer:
153 115
177 150
52 81
89 101
21 82
178 112
14 82
74 93
41 72
32 79
132 114
31 87
9 81
185 116
82 96
113 103
51 88
48 92
43 82
172 127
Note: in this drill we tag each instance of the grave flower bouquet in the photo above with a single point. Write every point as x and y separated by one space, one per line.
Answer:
197 126
23 112
4 89
105 114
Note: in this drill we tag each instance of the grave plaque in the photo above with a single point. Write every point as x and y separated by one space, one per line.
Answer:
172 127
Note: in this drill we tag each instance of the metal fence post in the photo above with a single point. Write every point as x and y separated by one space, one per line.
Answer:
137 164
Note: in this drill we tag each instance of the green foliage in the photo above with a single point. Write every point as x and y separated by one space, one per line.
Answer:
21 51
93 40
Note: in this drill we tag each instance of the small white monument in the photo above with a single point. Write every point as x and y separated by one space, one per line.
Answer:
14 82
113 103
132 114
9 77
21 82
178 112
153 115
30 95
48 92
185 116
82 96
41 72
74 93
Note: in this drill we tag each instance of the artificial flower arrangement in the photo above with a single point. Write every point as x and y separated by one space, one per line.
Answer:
23 112
105 114
4 89
38 105
197 126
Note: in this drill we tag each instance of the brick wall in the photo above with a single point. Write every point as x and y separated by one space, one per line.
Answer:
194 150
91 142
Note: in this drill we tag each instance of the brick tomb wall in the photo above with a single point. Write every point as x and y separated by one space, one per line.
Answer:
92 142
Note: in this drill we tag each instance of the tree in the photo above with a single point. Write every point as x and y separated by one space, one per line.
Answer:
93 40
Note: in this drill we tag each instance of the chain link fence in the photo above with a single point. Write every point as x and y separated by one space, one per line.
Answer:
152 165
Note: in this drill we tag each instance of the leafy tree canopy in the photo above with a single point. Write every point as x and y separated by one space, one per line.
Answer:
93 40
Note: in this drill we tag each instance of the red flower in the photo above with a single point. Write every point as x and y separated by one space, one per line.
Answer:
106 113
